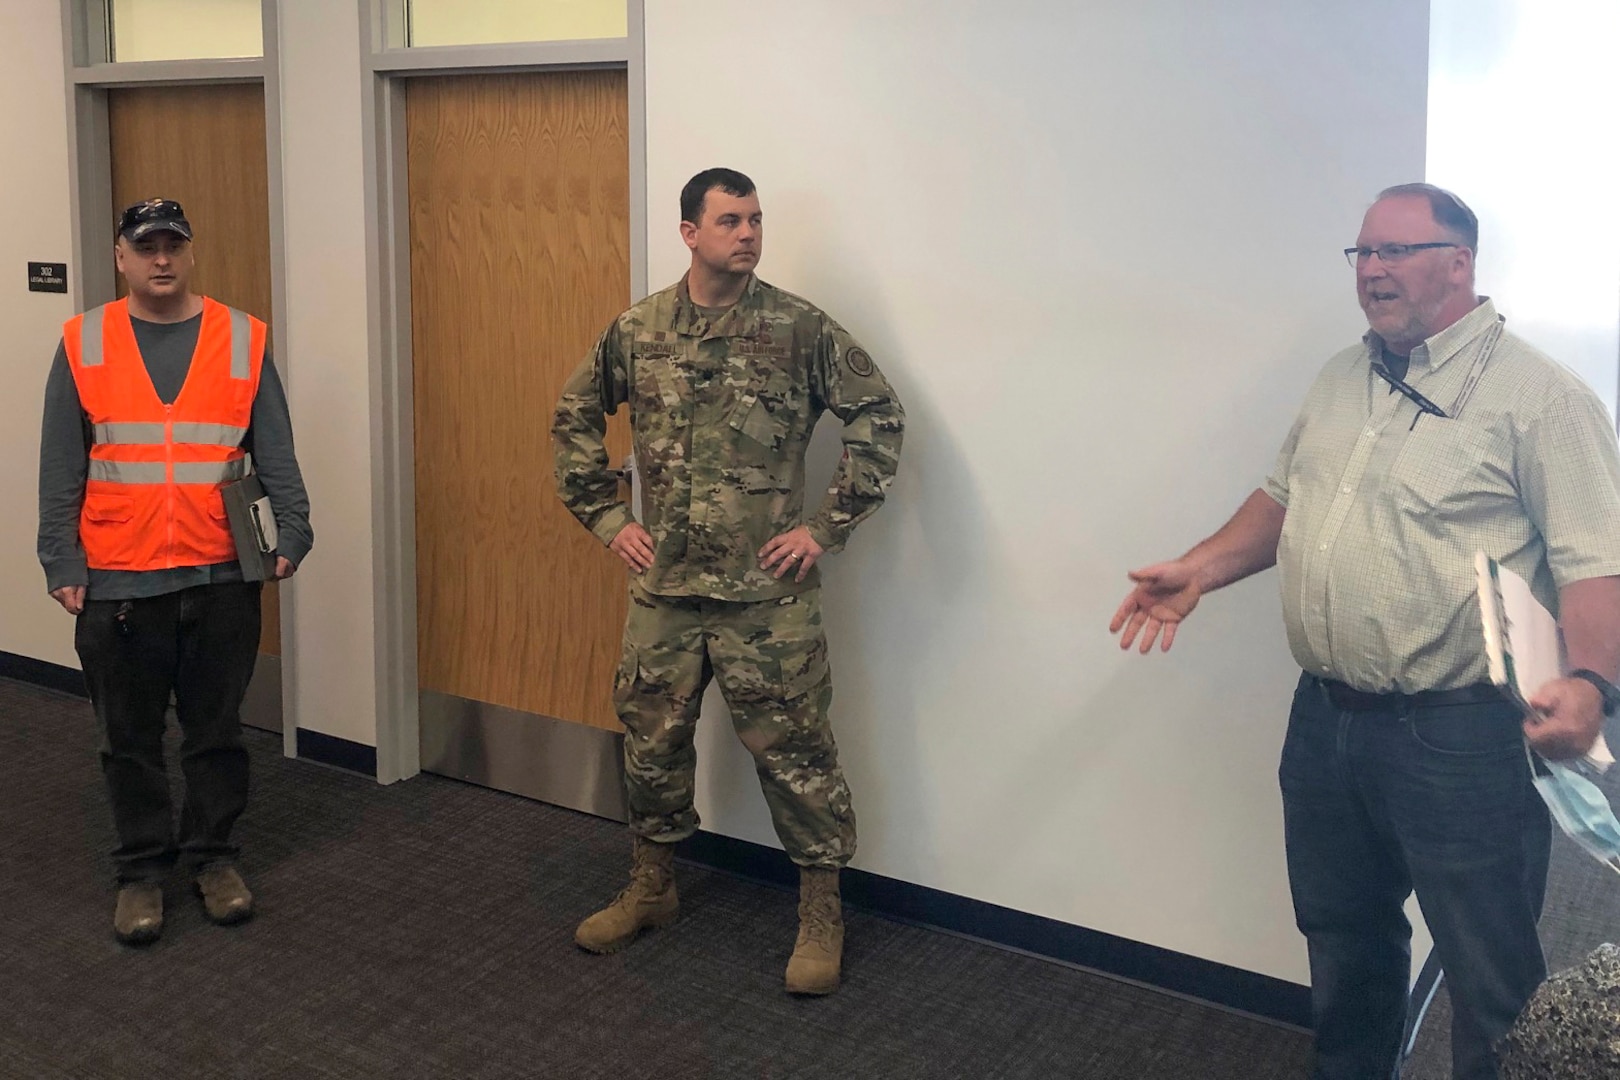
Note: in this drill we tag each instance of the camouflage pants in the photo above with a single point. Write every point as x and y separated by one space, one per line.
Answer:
771 660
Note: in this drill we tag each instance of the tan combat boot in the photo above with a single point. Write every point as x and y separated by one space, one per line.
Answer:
648 901
818 955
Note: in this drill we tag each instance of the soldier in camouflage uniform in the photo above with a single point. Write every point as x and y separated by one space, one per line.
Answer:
726 377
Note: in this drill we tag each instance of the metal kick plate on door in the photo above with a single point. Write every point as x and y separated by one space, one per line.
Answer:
540 757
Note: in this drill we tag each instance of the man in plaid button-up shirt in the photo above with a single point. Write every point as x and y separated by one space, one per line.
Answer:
1437 436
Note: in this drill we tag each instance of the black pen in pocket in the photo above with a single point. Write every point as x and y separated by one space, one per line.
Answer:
1424 405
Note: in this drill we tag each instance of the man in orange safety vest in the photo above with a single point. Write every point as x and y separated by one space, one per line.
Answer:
153 404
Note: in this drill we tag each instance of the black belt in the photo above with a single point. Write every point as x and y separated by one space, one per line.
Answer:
1352 700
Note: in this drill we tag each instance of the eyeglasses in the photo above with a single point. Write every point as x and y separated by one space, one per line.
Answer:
1411 394
1390 253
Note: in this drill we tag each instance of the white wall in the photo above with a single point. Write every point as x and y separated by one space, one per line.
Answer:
1096 248
333 641
1524 103
34 187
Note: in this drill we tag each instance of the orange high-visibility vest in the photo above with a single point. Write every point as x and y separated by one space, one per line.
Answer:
152 501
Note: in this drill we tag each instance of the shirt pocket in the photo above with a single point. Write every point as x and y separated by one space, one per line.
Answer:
768 410
1450 469
660 386
660 416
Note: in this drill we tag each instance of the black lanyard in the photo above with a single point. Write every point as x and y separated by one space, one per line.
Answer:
1475 371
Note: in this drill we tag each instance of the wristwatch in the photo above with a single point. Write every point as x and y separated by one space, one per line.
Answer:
1609 692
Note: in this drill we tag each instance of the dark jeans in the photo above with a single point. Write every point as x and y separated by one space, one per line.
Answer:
200 645
1379 803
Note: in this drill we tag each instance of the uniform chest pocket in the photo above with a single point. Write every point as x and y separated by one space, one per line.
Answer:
1450 468
769 409
660 385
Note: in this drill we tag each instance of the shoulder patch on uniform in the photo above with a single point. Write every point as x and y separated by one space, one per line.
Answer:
858 362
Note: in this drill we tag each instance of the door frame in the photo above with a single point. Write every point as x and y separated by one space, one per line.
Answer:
387 63
91 73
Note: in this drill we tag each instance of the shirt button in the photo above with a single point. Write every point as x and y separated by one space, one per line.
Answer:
1324 547
1345 489
1369 433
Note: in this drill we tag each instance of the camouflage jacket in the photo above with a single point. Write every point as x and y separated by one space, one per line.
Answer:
721 411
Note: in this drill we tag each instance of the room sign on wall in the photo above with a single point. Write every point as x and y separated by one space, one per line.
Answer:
47 277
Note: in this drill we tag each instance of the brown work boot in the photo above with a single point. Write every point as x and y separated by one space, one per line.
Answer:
648 901
138 918
225 896
818 955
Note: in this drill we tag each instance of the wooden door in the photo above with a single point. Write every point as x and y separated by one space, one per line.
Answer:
519 195
204 146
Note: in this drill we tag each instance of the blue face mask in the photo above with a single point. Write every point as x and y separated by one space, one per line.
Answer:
1580 808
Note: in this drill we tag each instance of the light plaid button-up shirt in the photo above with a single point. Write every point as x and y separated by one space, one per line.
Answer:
1383 517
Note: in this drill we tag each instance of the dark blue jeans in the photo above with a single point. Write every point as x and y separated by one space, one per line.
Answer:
1377 804
198 645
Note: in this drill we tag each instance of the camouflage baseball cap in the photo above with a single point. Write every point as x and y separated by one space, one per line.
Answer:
150 216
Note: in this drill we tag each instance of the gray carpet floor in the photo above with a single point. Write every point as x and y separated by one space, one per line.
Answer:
424 930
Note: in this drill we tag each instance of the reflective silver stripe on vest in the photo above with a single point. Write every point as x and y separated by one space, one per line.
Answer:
241 341
133 434
129 472
209 434
156 472
144 434
90 338
209 472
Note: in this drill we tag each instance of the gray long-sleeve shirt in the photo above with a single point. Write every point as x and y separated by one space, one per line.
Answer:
64 462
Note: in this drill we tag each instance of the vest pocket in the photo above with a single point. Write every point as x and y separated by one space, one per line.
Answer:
107 508
109 530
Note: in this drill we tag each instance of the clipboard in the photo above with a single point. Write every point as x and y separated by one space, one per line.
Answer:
253 526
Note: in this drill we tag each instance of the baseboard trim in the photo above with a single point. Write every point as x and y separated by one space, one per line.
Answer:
1220 984
339 753
63 680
